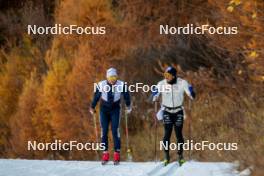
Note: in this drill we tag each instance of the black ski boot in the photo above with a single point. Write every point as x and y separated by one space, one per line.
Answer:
105 157
116 158
166 160
181 160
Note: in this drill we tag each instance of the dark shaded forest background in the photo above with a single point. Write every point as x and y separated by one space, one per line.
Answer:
46 81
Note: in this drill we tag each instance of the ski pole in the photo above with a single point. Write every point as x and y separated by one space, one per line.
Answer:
129 155
96 133
189 127
155 147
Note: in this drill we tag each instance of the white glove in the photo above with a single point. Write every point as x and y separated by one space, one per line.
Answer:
155 98
92 111
159 114
128 110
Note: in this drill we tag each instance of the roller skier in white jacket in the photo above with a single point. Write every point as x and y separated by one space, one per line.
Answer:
172 90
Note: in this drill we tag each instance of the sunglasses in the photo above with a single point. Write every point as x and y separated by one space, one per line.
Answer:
167 76
112 78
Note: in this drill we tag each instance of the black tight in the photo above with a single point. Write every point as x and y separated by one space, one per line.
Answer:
171 120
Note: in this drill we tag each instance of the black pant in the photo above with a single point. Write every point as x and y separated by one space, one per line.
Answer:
175 120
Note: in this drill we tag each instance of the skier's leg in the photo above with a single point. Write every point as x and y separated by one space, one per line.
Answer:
104 122
168 126
115 120
178 124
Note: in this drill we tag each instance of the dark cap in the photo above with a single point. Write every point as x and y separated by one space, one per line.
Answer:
171 70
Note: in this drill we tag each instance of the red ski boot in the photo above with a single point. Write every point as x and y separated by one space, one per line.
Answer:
116 158
105 157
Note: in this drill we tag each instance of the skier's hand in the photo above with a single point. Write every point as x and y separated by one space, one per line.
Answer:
128 110
155 98
92 111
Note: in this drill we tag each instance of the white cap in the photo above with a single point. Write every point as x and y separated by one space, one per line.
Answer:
111 72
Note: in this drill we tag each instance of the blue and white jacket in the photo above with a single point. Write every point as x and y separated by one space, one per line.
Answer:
110 95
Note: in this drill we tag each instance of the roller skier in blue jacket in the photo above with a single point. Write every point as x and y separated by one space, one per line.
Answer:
109 92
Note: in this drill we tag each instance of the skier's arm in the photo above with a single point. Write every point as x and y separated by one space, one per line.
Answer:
189 90
155 93
97 96
192 92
